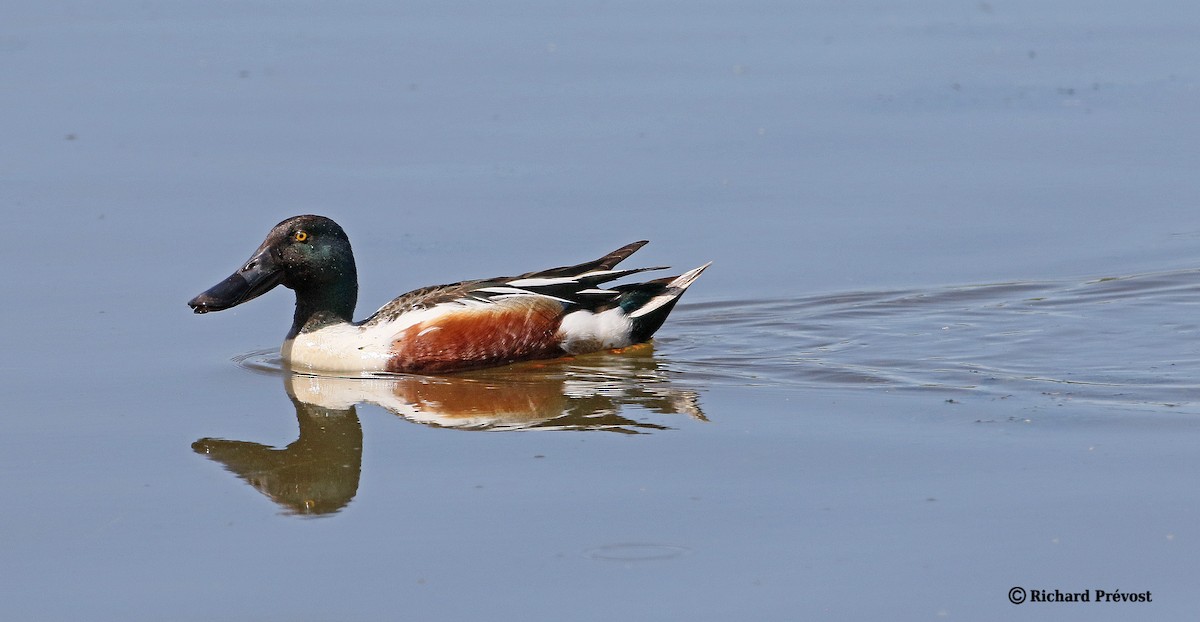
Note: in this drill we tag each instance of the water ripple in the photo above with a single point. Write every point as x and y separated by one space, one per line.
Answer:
1131 340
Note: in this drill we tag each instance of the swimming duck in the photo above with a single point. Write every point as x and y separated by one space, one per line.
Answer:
443 328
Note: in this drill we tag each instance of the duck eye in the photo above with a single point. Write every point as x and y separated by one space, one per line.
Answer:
300 236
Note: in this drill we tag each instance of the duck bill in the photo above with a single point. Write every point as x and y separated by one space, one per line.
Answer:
256 278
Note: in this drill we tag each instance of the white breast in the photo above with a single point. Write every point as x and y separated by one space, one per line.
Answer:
351 348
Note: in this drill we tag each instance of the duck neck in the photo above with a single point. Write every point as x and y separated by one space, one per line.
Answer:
319 307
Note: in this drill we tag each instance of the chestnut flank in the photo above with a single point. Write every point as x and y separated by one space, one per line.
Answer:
516 329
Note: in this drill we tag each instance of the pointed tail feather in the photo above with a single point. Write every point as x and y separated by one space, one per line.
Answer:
648 304
621 254
604 263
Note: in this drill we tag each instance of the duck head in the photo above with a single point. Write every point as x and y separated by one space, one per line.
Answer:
308 254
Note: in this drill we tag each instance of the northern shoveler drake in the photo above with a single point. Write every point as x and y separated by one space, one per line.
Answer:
443 328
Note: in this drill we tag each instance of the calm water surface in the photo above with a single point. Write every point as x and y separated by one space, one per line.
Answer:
948 345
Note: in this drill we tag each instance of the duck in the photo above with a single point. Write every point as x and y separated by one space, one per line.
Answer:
480 323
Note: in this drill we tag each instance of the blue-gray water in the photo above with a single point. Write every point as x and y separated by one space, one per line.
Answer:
948 345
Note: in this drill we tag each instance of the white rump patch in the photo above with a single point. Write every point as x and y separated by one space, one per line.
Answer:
584 331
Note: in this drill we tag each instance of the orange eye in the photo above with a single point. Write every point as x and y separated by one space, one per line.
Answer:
300 236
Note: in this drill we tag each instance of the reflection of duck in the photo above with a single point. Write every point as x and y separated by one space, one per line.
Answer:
465 325
585 393
316 474
319 472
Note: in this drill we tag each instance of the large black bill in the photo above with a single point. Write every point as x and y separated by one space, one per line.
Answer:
256 278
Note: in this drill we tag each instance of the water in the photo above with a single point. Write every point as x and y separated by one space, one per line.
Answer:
947 346
1121 341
